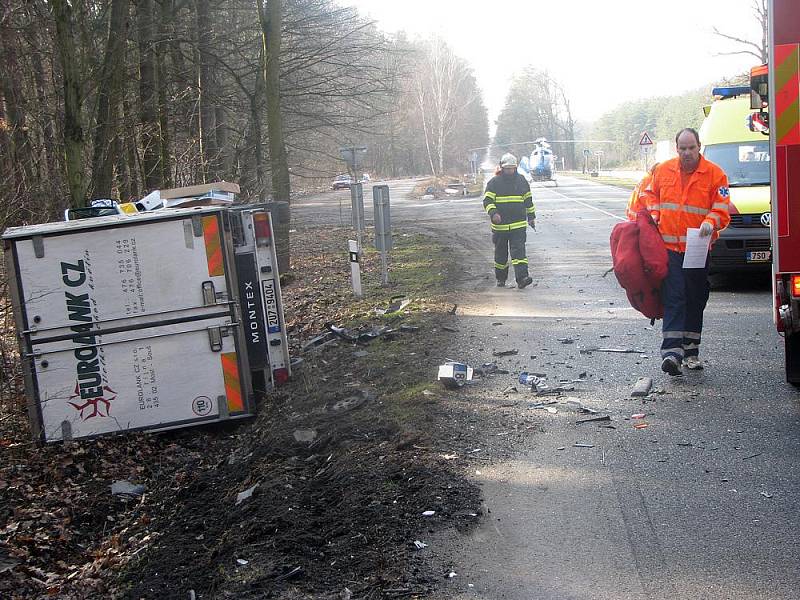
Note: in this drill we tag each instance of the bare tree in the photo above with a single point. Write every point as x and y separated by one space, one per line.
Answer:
270 18
73 101
760 50
442 95
108 99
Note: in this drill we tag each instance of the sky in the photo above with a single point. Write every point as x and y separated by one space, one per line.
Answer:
602 52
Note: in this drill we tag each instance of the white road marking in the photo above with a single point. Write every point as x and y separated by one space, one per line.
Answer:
605 212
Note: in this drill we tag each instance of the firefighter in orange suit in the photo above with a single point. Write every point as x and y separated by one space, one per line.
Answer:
636 202
686 192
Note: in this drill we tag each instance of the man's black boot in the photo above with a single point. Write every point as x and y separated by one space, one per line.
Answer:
524 282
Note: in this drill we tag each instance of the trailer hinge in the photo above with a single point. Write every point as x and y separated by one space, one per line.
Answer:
38 246
222 407
197 225
209 294
215 338
188 234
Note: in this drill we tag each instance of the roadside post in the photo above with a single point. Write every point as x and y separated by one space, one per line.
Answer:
355 268
599 155
645 143
352 156
383 228
586 154
357 203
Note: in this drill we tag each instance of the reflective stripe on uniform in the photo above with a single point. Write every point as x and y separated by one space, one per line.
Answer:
490 195
501 267
672 334
692 346
691 335
695 210
674 351
507 199
527 195
673 239
509 226
490 207
519 261
531 211
716 218
670 206
720 206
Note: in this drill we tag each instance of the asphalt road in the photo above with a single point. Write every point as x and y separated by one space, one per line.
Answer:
701 503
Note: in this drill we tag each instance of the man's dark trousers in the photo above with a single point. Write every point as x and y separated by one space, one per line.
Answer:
685 295
515 240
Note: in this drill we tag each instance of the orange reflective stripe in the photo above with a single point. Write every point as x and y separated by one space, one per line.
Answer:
213 246
233 388
787 94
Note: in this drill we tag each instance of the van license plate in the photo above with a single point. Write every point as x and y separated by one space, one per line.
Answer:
758 256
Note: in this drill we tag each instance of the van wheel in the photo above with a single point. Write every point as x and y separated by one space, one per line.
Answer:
792 346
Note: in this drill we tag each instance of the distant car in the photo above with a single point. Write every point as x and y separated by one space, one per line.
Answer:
366 178
342 182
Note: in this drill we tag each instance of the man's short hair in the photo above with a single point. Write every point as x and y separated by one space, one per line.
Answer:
690 130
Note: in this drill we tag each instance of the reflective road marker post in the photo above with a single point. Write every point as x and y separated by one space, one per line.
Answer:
355 268
357 201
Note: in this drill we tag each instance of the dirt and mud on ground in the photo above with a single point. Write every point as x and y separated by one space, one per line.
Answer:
323 495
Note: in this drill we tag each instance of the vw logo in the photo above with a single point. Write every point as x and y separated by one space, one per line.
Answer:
766 219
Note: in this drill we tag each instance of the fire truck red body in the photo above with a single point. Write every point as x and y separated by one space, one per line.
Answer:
783 100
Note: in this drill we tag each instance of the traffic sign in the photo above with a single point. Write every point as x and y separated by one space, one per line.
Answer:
645 141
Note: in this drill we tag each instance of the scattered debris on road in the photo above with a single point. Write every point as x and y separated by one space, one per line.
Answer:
499 353
454 375
593 419
642 387
590 349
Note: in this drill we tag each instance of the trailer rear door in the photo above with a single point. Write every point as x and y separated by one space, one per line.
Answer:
128 323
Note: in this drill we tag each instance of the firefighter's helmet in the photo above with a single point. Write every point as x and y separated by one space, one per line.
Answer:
508 160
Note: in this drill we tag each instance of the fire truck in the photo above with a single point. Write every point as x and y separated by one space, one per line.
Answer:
776 97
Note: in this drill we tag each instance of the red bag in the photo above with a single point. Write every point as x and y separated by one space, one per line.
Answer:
640 263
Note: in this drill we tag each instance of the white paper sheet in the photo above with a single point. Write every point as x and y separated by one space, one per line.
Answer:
696 249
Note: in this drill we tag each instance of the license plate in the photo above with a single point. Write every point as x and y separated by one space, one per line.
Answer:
759 256
271 307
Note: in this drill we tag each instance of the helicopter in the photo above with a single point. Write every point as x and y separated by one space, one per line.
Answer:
539 166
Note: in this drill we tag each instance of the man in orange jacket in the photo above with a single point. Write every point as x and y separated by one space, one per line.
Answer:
687 192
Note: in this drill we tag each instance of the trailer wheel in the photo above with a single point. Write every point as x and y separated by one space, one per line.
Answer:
792 345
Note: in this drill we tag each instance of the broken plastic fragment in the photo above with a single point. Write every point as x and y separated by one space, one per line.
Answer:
420 545
428 513
242 496
396 304
126 489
